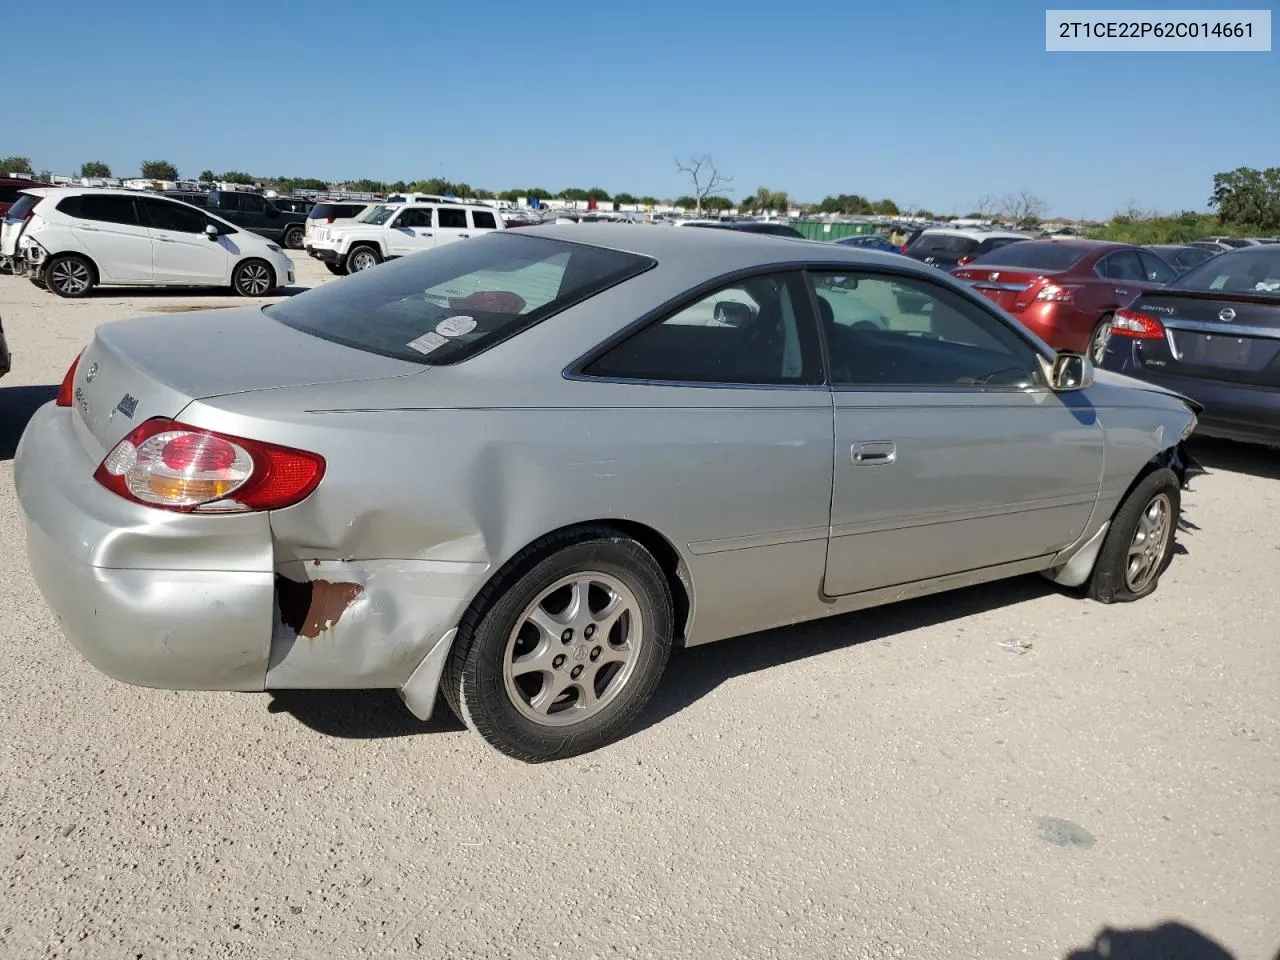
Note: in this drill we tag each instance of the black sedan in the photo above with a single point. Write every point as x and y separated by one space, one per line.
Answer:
1212 335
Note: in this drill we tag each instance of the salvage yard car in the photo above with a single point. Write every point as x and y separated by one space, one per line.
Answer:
519 470
387 231
1214 335
71 239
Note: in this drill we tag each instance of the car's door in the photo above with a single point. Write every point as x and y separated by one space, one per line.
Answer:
411 230
1124 278
451 225
111 228
951 452
726 403
183 252
259 217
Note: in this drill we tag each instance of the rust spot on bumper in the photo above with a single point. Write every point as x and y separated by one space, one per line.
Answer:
311 608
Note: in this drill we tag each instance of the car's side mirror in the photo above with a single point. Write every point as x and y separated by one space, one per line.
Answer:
1071 371
732 313
211 231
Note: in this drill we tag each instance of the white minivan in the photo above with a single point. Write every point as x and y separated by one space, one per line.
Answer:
71 239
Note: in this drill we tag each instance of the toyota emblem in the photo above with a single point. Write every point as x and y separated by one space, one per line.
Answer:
1226 314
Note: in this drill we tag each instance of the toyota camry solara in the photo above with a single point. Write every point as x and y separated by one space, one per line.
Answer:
519 469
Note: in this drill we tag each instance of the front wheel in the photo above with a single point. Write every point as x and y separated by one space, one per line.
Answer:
362 258
567 650
69 276
252 278
293 238
1139 545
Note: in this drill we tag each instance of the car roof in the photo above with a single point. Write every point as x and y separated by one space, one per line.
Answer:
722 251
973 233
1081 243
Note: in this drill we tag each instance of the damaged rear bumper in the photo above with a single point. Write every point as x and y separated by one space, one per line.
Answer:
185 601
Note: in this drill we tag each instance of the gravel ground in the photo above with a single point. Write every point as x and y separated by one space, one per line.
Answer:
1001 772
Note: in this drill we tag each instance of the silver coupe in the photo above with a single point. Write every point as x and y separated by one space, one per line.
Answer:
519 469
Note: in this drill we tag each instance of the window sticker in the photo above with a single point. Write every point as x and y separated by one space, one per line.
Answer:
455 326
427 342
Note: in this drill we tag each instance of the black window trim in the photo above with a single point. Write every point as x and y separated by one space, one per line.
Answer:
1098 265
977 301
805 313
1172 268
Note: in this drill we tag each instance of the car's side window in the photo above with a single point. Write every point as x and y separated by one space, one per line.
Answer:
163 215
414 217
109 209
754 331
483 220
252 203
452 217
884 331
1123 265
1156 270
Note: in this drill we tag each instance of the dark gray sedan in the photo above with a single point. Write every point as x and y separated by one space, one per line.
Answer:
519 469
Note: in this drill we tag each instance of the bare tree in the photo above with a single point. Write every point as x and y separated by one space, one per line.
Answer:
987 206
1023 207
706 178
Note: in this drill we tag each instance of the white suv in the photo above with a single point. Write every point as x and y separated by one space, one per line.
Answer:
72 239
395 230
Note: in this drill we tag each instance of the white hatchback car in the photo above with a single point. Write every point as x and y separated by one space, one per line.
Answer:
72 239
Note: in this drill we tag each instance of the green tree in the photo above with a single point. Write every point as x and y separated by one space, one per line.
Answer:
886 208
367 186
16 165
717 203
625 198
159 170
208 176
573 194
648 201
598 194
1248 198
236 176
846 203
94 168
483 194
689 203
928 215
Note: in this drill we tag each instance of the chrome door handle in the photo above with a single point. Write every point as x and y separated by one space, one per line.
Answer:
85 226
1121 292
427 234
871 453
164 239
464 236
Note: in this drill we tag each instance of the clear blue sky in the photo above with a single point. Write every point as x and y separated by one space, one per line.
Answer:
930 103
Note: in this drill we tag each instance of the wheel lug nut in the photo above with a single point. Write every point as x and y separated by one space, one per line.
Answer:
567 636
576 672
595 654
558 662
590 630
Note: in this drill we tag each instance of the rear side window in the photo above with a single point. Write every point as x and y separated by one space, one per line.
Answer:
460 300
1124 265
228 201
995 243
943 243
108 209
452 217
483 220
22 205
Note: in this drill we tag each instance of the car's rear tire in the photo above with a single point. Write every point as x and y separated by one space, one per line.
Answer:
293 238
253 278
336 269
69 275
563 649
1139 544
1099 338
363 257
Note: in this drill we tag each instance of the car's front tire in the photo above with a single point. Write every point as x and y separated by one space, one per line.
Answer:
363 257
564 648
69 275
253 278
292 238
1139 544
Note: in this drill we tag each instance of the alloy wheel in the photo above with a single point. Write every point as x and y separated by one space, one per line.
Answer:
69 277
573 649
255 279
1149 544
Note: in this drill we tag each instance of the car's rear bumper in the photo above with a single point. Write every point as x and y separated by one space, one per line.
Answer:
201 602
1231 411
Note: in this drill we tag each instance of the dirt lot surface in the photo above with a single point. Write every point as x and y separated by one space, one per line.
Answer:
1001 772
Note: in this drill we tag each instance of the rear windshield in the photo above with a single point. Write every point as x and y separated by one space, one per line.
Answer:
448 304
322 211
1245 270
943 242
20 206
1037 256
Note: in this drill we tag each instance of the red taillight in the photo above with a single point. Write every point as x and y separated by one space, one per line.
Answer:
1136 326
170 465
65 392
1055 294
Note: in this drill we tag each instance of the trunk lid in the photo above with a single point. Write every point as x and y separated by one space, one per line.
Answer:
1010 287
154 366
1229 337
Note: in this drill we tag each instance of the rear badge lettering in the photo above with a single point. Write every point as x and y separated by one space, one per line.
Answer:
127 405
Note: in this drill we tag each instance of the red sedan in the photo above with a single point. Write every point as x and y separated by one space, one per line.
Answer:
1066 291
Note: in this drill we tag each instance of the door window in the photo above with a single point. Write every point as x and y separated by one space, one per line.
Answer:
252 203
905 332
756 331
228 201
1155 269
1123 265
483 220
414 217
109 209
453 218
169 216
